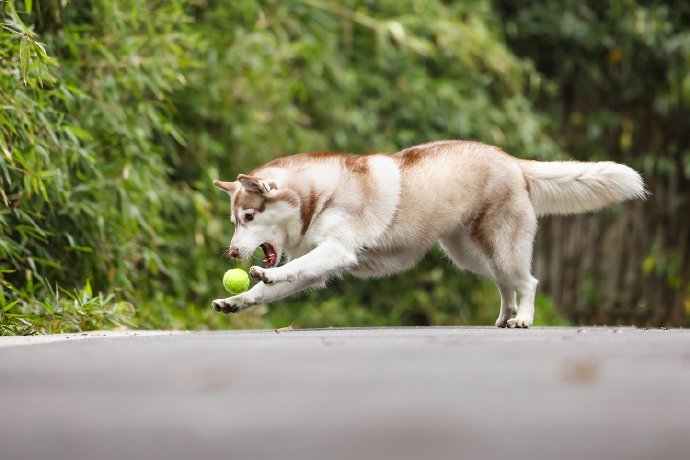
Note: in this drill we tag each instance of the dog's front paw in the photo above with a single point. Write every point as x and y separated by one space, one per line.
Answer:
231 304
271 275
260 274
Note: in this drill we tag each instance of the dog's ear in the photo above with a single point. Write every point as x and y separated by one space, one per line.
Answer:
229 187
255 184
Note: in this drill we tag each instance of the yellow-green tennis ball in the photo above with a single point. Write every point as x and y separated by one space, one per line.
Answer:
236 281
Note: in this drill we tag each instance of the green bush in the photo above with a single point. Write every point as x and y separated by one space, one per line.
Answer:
85 181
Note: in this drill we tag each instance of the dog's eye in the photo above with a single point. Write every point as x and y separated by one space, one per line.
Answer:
249 217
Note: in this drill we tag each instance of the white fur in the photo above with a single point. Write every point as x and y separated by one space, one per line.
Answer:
568 187
477 202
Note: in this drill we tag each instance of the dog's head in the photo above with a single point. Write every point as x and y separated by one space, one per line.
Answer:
262 215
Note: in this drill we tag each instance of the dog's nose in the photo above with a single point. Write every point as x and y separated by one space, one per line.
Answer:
234 252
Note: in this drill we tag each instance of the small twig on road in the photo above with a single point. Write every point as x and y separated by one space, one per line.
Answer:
285 329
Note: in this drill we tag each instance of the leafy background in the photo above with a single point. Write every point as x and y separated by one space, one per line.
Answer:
116 116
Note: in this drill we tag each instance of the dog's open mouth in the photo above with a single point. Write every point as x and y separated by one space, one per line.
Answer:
270 255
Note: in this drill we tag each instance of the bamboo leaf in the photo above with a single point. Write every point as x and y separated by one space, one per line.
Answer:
79 133
24 51
9 305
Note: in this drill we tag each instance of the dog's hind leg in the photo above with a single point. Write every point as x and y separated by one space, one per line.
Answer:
513 261
497 244
527 289
466 254
508 304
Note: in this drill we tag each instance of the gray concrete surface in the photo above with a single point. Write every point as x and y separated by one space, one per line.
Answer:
12 341
475 393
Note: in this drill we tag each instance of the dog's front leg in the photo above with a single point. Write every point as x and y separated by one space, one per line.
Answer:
324 260
263 293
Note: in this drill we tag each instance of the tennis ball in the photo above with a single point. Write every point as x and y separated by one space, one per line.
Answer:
236 281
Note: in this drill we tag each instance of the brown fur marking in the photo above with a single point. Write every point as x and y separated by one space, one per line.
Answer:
250 200
258 202
481 230
412 156
479 233
357 164
227 186
307 209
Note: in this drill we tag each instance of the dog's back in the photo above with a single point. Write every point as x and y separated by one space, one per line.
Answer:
445 187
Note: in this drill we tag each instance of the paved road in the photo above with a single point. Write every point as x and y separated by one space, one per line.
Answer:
424 393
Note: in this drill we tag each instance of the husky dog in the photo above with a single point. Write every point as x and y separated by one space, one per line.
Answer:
376 215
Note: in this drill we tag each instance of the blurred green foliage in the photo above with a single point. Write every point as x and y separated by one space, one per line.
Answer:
116 115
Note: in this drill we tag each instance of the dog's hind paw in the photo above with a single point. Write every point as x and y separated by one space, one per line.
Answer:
501 322
518 322
505 316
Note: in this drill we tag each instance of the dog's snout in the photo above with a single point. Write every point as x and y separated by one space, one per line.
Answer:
234 252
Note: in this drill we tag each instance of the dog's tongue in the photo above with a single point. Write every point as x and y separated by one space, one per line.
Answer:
270 256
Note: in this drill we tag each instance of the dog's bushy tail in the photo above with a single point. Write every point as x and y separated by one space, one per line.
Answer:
570 187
